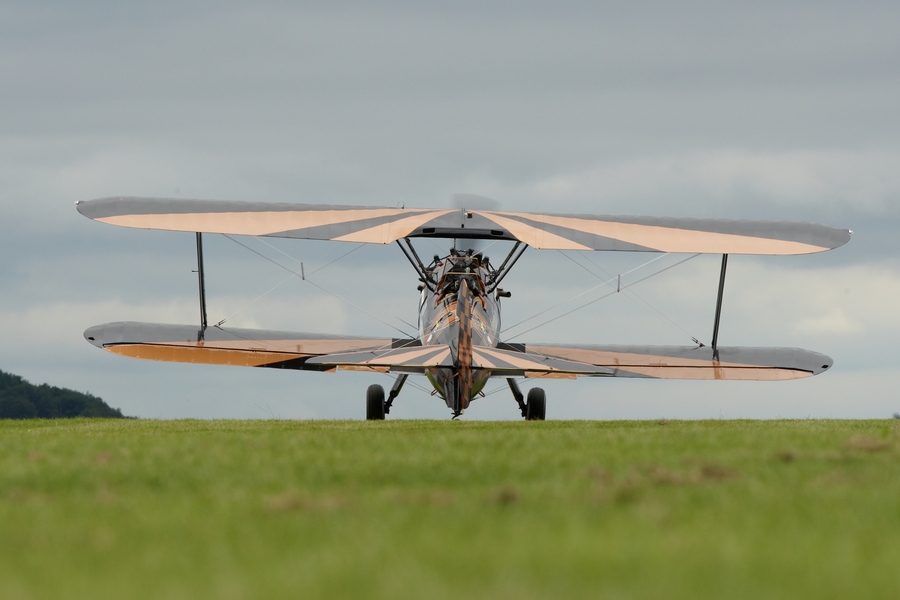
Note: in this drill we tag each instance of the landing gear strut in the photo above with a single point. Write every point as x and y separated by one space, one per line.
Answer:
395 391
535 409
517 394
376 406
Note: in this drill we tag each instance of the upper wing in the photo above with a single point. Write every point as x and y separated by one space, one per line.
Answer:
231 346
543 231
668 234
376 225
692 362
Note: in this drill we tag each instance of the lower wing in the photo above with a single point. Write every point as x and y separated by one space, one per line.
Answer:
689 362
501 362
230 346
317 352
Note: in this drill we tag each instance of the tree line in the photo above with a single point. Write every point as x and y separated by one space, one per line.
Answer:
20 399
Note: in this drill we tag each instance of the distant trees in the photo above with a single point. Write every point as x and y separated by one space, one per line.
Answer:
22 400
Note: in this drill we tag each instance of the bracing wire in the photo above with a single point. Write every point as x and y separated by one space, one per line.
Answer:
412 383
580 294
607 295
255 300
298 261
277 285
306 277
633 295
496 390
314 284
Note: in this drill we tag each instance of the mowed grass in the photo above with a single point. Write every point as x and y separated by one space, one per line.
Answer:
283 509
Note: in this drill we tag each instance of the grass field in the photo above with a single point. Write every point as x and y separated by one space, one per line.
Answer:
282 509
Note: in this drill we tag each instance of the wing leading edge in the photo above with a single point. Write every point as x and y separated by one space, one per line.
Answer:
384 225
229 346
311 352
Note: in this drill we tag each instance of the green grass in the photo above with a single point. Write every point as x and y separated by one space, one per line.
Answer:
281 509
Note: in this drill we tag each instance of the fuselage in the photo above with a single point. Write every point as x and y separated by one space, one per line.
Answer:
459 312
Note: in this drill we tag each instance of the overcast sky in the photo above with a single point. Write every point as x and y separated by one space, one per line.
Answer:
773 110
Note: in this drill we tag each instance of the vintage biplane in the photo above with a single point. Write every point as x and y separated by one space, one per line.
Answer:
458 347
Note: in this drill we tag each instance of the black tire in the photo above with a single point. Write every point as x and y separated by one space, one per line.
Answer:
375 403
536 405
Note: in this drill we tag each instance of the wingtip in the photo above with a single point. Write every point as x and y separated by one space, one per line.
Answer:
826 363
94 335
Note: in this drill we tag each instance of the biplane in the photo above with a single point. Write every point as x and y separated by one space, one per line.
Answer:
458 346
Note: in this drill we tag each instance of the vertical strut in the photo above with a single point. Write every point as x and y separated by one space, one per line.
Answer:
715 338
395 391
421 271
202 284
502 272
517 394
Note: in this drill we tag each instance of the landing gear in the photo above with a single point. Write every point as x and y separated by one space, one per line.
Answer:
375 403
535 409
376 406
395 391
536 406
517 394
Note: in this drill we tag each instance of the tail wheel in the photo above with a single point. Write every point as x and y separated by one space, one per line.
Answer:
536 405
375 403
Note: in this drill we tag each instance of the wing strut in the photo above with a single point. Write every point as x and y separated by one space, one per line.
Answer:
498 275
421 271
201 277
715 338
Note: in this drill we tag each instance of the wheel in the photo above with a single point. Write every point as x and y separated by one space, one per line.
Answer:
375 403
536 405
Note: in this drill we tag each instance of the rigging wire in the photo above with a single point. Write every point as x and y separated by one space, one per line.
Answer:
580 294
298 261
496 390
331 281
633 295
314 284
412 383
255 300
278 285
607 295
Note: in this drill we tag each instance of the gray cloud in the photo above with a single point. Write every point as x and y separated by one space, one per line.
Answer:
779 110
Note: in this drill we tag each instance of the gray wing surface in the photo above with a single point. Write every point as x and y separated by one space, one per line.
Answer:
668 234
502 363
229 346
692 362
384 225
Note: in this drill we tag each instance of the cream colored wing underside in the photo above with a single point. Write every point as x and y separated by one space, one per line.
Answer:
384 225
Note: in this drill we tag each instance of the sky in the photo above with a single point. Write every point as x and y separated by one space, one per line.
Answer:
768 110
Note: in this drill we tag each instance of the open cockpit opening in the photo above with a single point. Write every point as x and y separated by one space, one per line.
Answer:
444 274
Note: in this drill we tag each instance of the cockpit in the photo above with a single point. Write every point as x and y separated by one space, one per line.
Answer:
443 276
460 265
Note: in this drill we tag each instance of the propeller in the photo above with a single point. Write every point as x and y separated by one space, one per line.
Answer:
472 201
